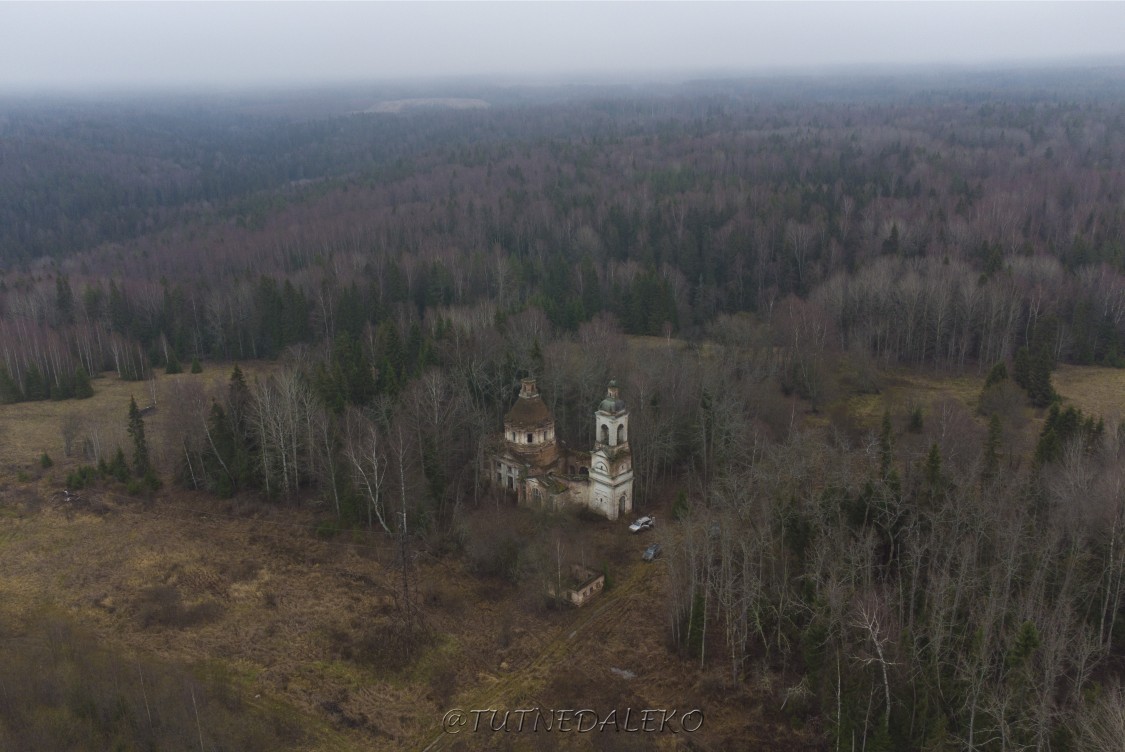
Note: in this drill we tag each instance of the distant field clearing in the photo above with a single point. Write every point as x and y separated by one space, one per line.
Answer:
400 105
27 429
1095 389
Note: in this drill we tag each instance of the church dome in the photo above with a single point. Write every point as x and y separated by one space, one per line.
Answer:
612 404
530 411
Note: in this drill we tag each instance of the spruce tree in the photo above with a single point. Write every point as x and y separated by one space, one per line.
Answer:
932 470
1021 368
118 468
239 398
1049 446
64 299
1039 387
35 387
10 391
990 458
915 423
886 446
996 374
141 465
220 459
591 289
239 401
82 387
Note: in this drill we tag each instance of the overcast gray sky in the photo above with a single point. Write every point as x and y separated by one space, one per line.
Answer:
51 45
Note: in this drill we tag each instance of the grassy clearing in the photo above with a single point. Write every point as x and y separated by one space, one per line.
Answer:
250 594
136 578
1094 389
904 389
27 429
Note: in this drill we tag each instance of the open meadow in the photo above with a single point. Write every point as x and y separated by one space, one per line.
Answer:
301 632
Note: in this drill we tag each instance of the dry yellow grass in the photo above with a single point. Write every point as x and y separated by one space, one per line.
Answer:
282 598
903 389
1093 389
281 593
27 429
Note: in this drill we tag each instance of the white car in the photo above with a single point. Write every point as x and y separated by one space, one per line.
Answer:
644 523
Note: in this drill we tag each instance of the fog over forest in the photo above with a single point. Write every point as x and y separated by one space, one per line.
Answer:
78 46
320 326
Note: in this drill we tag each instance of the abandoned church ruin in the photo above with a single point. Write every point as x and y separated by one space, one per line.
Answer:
528 461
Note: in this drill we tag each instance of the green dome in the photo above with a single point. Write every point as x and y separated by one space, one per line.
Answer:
612 403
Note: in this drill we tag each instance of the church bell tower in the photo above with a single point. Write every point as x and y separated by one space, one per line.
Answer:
611 462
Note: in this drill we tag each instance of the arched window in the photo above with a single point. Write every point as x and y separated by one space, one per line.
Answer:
621 434
605 433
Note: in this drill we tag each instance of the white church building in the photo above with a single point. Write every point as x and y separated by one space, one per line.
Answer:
529 462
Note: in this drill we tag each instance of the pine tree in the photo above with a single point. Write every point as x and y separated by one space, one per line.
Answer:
173 364
196 366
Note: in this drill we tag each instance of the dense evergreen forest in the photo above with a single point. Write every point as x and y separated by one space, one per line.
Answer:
919 588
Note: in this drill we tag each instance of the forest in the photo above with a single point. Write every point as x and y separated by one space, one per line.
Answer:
743 256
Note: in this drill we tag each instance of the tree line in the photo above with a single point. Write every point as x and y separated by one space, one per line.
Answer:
968 222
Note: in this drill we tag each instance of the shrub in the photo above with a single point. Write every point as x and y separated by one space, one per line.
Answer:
162 606
390 646
82 477
118 468
45 461
327 529
1004 399
680 507
914 423
496 555
70 691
